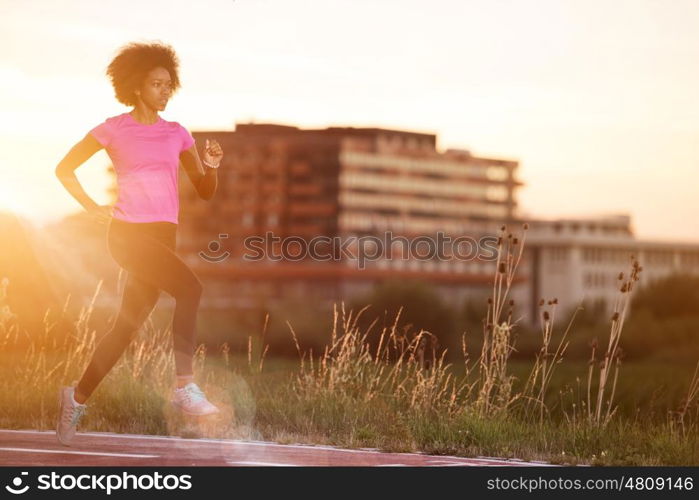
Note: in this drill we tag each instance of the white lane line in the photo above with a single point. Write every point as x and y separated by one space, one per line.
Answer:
442 462
473 461
272 464
512 461
451 465
391 465
32 450
214 441
270 444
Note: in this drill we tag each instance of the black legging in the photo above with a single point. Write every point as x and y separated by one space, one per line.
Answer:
147 251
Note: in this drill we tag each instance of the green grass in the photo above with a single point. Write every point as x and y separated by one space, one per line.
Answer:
263 405
400 396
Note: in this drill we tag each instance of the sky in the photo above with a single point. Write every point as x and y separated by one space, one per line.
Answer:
595 99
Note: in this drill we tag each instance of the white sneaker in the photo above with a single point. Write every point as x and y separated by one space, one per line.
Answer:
192 401
69 414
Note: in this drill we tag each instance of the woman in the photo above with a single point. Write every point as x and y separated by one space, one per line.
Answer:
146 151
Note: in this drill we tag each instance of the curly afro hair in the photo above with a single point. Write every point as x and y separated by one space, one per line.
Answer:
134 61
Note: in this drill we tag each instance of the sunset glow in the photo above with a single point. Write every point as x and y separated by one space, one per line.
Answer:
594 99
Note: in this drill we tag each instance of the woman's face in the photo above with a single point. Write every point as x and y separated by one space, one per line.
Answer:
156 90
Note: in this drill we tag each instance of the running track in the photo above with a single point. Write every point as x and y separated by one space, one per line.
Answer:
40 448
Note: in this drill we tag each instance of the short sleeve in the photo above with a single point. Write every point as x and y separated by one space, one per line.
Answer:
103 133
187 139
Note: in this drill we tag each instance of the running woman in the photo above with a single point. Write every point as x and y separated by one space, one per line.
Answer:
146 151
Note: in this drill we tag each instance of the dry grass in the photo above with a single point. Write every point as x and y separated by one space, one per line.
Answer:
399 395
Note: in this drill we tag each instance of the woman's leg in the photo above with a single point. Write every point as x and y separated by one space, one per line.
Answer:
158 265
138 300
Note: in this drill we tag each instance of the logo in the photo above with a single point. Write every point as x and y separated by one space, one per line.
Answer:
215 246
17 482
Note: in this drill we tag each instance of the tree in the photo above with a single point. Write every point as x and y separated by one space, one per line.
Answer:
673 296
422 308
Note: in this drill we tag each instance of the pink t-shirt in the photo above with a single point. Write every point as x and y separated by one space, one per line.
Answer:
146 162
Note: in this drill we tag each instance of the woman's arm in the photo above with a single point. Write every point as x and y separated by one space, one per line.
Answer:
65 171
204 180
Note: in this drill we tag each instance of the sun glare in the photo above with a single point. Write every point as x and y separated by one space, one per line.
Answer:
10 201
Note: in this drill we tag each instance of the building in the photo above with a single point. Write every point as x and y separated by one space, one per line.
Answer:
578 261
343 183
297 189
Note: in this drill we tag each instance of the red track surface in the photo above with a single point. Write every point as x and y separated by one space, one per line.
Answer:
40 448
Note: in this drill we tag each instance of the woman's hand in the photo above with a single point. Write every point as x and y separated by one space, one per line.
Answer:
213 152
101 213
